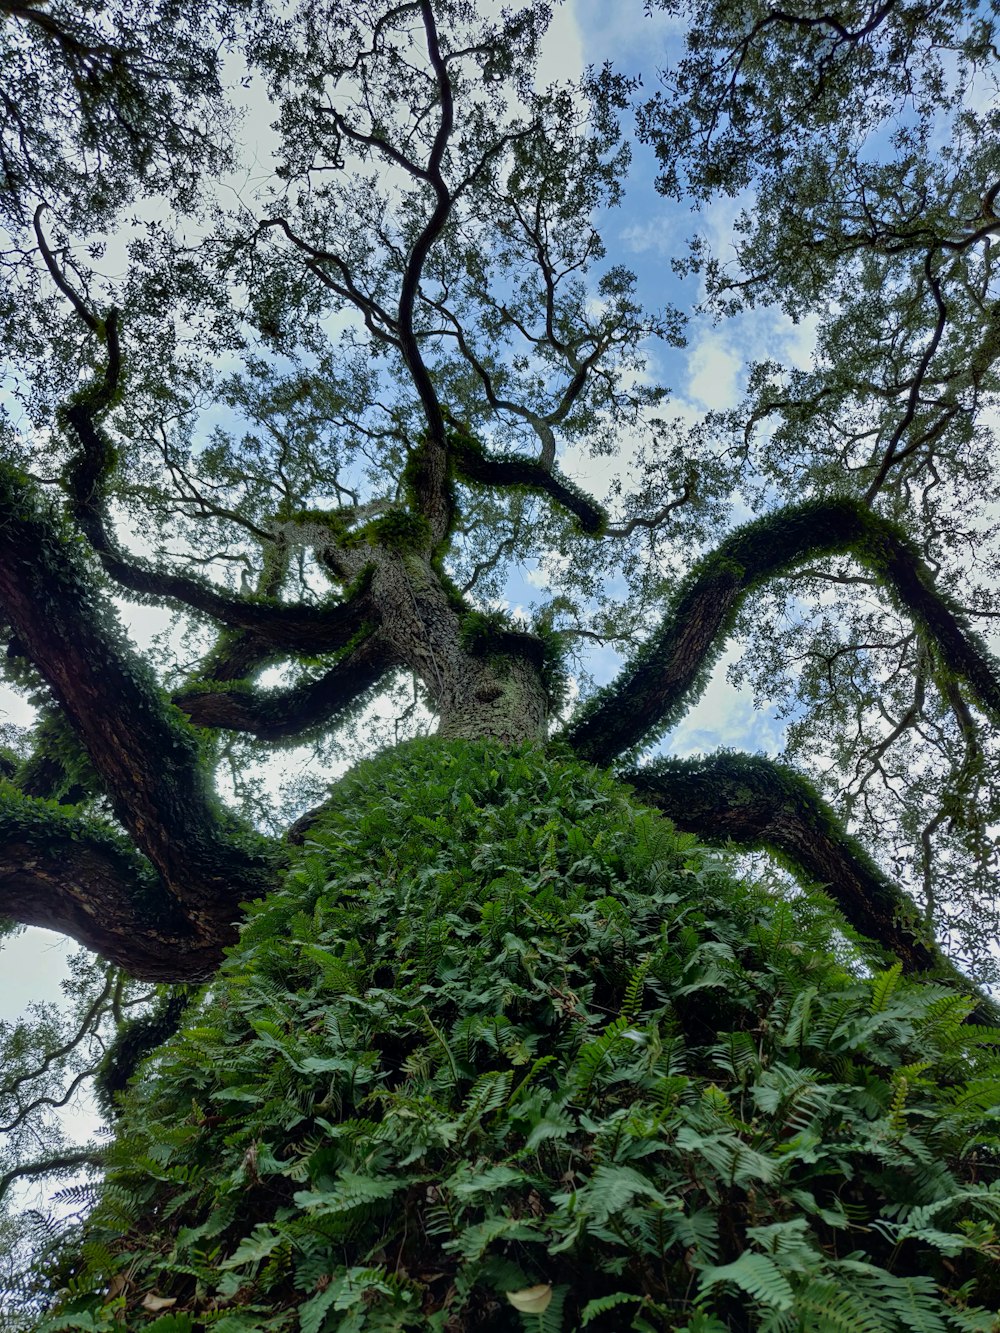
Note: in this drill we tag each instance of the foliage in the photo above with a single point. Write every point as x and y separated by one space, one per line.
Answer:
502 1029
501 1048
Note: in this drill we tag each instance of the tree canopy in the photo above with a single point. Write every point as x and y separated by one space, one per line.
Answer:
319 391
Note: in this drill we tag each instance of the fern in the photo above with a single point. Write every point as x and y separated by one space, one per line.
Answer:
757 1275
604 1304
883 986
827 1307
502 1029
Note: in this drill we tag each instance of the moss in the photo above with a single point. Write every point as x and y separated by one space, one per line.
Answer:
491 634
399 530
56 830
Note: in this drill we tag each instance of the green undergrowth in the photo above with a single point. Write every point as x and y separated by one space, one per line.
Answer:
505 1034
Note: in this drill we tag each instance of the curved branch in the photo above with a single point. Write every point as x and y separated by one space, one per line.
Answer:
301 628
378 321
143 750
83 311
765 806
47 1166
64 873
471 464
672 669
429 234
892 452
88 1025
762 805
281 714
653 521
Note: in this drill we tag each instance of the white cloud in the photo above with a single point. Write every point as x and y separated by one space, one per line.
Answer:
561 55
725 715
714 371
653 237
799 340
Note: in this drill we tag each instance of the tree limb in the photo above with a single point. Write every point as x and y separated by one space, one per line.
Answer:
47 1166
302 628
504 470
144 752
673 667
762 805
281 714
67 874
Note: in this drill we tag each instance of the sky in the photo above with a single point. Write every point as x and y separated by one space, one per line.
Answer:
643 234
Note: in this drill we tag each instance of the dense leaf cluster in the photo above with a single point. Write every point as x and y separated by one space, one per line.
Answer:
503 1029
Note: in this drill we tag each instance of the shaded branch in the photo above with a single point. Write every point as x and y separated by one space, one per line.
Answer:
673 668
145 754
653 521
47 1166
761 805
66 874
281 714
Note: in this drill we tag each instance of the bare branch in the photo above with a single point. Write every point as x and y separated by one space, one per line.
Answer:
652 521
49 1166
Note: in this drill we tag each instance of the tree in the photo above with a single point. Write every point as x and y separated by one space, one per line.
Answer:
320 427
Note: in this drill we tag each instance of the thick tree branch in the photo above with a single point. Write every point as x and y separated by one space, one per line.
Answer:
280 714
673 667
64 873
145 754
762 805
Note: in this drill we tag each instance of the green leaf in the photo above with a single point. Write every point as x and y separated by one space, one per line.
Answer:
755 1274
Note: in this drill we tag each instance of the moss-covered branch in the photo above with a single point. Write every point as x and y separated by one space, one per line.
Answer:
761 805
298 628
274 715
672 669
135 1040
295 628
63 872
508 470
146 754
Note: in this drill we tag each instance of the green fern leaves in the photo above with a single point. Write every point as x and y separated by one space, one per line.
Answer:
503 1031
